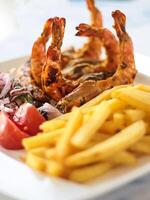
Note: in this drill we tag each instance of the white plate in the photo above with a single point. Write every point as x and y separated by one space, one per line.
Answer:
19 181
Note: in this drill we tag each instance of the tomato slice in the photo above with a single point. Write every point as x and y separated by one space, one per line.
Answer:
28 119
10 135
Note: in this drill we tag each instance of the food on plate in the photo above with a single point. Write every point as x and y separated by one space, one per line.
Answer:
52 81
28 119
86 132
120 141
89 54
124 74
43 140
107 132
23 123
106 120
38 55
10 135
67 85
138 99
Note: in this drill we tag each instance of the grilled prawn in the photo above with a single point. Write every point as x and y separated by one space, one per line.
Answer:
38 56
111 45
92 49
53 82
55 85
124 74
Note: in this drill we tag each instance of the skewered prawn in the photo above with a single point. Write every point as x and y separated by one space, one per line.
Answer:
53 82
124 74
38 56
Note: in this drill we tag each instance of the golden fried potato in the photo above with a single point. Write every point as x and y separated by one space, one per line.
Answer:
119 119
52 125
123 158
134 97
50 153
119 142
35 162
111 130
54 168
103 96
73 124
141 148
89 172
39 151
42 140
89 129
145 88
132 115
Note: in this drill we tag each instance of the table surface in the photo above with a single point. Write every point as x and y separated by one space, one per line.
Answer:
21 22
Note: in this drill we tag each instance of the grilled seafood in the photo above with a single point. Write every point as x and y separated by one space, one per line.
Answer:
53 82
82 65
40 60
124 74
111 45
38 56
91 50
47 81
109 42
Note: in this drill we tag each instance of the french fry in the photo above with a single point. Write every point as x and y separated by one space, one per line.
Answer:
74 122
141 148
86 117
116 124
119 142
88 110
42 140
87 173
54 168
136 98
146 139
52 125
133 115
50 153
35 162
145 88
119 120
103 96
115 93
148 128
88 130
39 151
109 127
123 158
111 130
98 137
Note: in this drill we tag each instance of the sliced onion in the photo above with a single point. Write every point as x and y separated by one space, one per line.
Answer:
49 111
5 84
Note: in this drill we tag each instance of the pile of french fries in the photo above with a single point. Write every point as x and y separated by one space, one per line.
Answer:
111 130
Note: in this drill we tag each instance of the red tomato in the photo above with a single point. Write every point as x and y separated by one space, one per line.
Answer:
10 135
28 119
